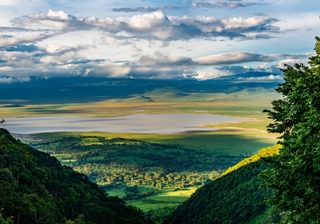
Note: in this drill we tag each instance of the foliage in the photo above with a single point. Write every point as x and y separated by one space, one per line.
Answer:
234 198
162 200
35 188
295 174
128 164
263 153
158 216
266 217
5 220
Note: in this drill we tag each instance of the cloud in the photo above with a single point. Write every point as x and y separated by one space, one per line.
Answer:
10 79
148 21
210 74
56 62
208 67
13 38
224 4
288 61
52 20
228 27
41 43
146 9
155 25
233 58
40 60
9 2
110 70
159 59
267 78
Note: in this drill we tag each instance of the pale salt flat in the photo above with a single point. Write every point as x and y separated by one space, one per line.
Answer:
137 123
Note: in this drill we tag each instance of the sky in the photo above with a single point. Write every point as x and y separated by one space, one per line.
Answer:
151 39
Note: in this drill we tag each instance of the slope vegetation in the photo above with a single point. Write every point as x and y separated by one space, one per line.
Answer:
35 188
236 197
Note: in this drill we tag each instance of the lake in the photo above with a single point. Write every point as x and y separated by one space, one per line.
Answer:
137 123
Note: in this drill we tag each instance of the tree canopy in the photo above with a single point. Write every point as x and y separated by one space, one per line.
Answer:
35 188
294 175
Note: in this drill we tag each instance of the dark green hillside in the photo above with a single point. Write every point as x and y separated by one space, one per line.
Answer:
237 197
35 188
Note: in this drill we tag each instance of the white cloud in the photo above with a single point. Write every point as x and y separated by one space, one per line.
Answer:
150 45
17 37
290 61
10 2
110 70
299 21
52 20
232 58
210 74
4 69
148 21
215 59
155 25
58 15
270 77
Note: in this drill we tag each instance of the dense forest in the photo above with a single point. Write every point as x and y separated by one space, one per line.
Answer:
237 197
294 175
128 164
35 188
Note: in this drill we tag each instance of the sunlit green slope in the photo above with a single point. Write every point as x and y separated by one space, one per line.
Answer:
238 196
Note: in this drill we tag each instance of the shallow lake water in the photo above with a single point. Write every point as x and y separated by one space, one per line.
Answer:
138 123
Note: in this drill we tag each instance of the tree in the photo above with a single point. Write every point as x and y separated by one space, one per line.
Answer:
35 188
4 220
294 175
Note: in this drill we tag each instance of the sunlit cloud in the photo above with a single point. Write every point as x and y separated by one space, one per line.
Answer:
155 25
156 40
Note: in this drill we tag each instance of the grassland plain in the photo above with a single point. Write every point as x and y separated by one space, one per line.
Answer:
245 103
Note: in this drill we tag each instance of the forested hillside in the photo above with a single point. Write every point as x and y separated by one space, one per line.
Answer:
239 196
35 188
